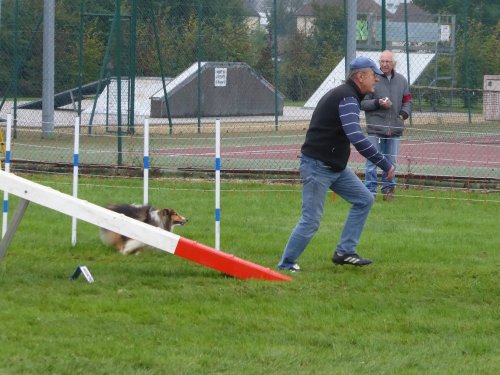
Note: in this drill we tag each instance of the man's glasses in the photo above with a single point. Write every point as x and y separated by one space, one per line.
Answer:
385 61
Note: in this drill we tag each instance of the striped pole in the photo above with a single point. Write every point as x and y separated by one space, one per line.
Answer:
76 148
217 184
146 160
7 169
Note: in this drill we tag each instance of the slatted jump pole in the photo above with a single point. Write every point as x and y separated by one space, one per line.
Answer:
169 242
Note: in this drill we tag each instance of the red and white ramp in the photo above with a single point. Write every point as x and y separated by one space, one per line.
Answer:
169 242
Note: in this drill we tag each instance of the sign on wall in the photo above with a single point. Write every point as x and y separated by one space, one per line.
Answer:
220 78
445 33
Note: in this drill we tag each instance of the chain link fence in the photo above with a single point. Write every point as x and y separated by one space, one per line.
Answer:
258 66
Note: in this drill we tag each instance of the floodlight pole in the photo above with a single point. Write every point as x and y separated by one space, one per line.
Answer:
160 60
199 57
48 69
132 67
275 55
80 60
351 8
118 73
407 40
384 42
17 64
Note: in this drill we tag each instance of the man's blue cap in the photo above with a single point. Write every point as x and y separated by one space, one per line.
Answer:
365 62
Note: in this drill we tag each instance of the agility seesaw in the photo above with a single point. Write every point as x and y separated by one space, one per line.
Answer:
29 191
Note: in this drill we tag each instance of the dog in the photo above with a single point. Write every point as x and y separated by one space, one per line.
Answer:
164 218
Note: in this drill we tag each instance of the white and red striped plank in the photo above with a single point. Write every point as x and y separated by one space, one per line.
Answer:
152 236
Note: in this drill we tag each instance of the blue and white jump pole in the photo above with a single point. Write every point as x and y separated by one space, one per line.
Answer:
217 184
76 150
146 161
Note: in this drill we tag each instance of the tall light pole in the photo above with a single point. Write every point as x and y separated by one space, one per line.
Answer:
48 69
351 25
384 41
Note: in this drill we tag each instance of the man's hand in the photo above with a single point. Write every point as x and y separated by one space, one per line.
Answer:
391 173
385 103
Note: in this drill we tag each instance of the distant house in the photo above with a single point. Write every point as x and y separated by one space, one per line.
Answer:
252 16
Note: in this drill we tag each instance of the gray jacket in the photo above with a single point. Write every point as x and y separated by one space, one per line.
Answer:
387 122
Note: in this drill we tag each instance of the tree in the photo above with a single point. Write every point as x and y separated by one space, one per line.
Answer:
479 56
476 37
486 11
300 68
285 14
309 59
182 10
225 36
329 30
264 63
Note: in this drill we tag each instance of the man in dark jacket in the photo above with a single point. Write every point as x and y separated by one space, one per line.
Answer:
386 110
333 128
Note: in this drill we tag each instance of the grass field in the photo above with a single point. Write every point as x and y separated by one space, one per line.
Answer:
428 305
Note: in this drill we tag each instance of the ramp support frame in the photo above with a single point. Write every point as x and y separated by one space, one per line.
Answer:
14 223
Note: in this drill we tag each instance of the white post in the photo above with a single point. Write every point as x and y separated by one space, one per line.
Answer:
7 169
217 184
75 175
146 160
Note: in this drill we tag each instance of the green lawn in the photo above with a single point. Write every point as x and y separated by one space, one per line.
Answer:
428 305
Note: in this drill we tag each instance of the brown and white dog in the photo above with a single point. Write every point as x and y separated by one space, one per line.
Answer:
164 218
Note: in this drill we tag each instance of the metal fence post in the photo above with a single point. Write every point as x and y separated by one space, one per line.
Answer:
118 78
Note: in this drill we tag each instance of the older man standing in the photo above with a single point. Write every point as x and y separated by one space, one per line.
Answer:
386 110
